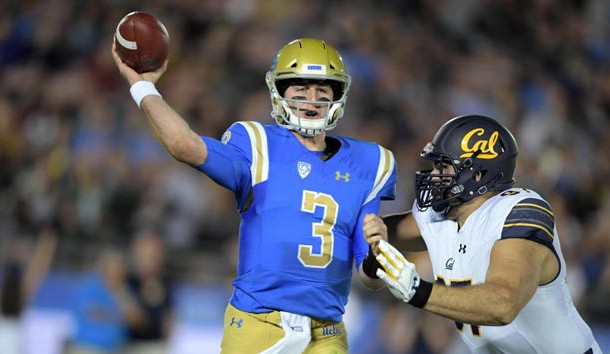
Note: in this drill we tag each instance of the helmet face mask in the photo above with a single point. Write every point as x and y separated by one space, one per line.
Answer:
439 187
480 155
301 61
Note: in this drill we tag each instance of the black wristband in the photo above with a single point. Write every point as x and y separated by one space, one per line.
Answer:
422 294
370 265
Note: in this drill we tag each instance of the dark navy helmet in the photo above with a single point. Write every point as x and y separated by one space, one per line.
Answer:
470 144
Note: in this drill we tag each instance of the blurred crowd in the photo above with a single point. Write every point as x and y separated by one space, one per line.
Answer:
78 160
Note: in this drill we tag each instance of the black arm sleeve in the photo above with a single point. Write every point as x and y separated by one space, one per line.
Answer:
392 221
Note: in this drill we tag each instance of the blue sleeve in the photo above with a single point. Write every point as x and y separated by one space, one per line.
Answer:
531 219
228 160
361 248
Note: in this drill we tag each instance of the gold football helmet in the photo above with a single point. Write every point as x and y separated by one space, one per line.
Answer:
303 60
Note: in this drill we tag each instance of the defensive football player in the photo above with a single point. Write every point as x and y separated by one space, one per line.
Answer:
499 271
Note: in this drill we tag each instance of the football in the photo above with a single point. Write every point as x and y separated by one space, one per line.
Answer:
142 41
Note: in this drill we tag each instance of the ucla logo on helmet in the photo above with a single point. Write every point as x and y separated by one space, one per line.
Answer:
470 144
314 69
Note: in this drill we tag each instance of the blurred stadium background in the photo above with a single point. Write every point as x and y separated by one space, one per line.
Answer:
78 161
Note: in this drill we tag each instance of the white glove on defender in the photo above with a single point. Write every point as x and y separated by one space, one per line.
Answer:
400 275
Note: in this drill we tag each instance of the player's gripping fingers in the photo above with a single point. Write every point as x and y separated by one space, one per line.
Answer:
373 241
374 231
409 266
372 219
392 254
388 260
394 287
387 265
392 268
130 75
373 226
384 276
397 254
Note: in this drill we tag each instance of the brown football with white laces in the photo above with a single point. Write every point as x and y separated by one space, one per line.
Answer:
142 41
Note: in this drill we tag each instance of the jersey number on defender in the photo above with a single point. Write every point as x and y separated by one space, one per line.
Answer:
475 329
323 229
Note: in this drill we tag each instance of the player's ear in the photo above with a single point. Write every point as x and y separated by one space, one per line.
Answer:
477 176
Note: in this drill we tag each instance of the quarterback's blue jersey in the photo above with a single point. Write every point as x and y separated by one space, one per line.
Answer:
302 217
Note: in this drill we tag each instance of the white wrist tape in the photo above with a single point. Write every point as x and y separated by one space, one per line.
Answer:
141 89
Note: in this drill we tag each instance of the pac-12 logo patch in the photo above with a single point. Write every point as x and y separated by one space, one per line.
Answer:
304 169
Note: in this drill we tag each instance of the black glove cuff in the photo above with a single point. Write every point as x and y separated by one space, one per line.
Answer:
370 265
422 294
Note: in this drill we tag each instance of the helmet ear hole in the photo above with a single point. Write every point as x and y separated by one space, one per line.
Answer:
479 175
337 89
282 86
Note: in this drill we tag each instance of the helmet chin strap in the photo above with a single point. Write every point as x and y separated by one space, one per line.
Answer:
442 208
447 204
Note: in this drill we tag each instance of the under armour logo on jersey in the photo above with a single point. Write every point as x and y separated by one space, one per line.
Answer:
338 176
304 169
449 264
462 248
236 323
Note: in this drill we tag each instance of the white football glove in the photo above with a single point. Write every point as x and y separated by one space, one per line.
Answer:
400 275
